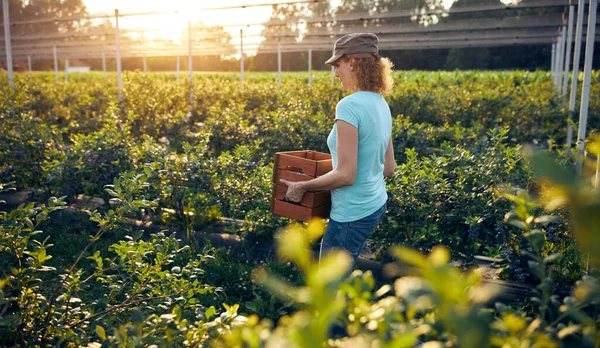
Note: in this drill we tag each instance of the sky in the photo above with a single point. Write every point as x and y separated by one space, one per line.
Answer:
171 24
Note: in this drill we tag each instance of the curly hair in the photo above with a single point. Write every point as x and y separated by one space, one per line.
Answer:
372 73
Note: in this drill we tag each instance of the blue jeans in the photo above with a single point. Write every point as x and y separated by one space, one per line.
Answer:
350 236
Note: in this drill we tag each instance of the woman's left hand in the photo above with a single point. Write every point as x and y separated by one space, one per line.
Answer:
295 190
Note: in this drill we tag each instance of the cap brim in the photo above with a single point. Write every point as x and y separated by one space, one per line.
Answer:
332 60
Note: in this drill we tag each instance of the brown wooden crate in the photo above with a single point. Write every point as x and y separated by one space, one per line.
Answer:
301 161
299 212
291 176
300 166
310 199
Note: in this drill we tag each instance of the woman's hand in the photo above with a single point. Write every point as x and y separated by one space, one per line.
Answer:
295 190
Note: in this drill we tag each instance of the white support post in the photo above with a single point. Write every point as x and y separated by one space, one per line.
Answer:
29 63
561 60
587 74
242 58
55 64
178 67
145 64
279 65
66 69
309 66
568 55
553 62
118 54
104 62
597 180
556 59
7 43
333 69
559 65
561 56
190 67
575 79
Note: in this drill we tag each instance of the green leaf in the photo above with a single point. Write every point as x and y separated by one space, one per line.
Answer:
546 219
536 269
100 332
552 258
137 317
544 165
439 256
536 239
10 320
29 223
410 256
210 312
569 330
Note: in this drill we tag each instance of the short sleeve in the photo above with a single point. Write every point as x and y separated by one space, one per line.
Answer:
345 111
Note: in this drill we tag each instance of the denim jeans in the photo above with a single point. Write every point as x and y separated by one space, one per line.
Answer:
350 236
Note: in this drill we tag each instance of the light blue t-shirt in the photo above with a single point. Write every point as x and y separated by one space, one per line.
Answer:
370 114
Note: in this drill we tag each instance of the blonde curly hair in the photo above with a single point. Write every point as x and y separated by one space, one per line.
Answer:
371 73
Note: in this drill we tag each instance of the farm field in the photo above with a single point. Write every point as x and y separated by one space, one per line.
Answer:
470 147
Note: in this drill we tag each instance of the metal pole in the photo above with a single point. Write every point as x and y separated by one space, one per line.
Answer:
556 59
242 57
553 64
66 69
587 74
568 54
118 53
597 181
561 60
575 79
104 62
278 65
309 66
190 67
29 63
145 65
561 55
333 69
9 64
55 65
178 64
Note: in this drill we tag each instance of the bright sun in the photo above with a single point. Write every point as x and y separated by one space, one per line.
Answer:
172 23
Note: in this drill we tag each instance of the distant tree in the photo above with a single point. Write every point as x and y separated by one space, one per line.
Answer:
511 57
27 10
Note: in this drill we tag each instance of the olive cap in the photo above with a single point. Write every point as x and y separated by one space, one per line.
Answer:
354 43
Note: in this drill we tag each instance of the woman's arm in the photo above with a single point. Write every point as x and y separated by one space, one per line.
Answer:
389 162
342 175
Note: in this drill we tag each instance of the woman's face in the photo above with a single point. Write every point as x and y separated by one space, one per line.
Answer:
344 72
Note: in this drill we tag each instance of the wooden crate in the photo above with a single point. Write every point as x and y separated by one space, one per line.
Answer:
300 166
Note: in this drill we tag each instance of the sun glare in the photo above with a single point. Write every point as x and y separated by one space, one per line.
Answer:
171 24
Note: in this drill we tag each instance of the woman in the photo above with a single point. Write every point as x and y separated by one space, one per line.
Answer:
360 145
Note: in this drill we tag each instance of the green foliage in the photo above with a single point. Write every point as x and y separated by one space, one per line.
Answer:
25 145
453 196
92 161
154 277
